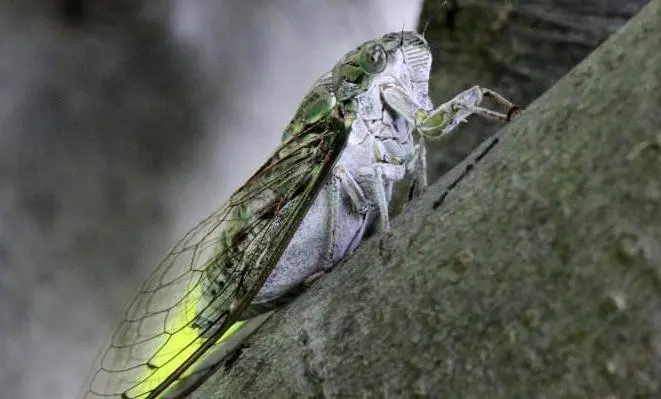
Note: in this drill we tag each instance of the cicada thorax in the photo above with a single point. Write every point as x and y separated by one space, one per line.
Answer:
316 105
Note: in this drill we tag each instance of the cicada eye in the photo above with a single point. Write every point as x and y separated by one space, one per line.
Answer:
374 58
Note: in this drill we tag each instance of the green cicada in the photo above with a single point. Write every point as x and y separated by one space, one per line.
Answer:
204 284
302 212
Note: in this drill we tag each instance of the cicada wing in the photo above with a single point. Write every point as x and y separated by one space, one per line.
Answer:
214 358
157 331
203 285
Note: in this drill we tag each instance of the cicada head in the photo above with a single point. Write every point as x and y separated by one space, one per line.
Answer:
415 52
405 52
354 73
409 62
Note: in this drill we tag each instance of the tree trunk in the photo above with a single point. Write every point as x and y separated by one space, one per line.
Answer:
536 275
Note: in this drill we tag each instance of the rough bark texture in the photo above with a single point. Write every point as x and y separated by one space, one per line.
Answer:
537 276
518 47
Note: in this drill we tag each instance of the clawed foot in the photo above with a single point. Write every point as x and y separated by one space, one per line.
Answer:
513 113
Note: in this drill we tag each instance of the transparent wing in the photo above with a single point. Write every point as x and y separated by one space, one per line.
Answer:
201 287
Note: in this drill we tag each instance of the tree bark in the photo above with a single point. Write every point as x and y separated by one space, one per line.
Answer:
538 274
517 47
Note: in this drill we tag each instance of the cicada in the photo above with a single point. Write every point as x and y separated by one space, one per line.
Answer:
350 141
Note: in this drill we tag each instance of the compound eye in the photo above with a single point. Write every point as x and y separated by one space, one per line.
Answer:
374 58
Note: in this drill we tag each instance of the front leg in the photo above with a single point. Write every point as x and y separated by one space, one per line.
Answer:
418 164
377 181
343 181
447 116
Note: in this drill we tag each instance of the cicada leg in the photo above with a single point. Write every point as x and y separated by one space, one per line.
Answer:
447 116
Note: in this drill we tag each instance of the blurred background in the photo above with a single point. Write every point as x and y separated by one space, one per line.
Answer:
123 123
